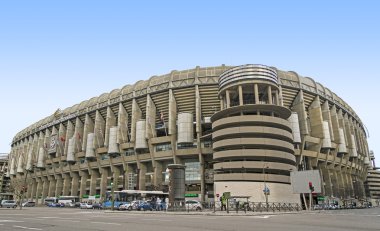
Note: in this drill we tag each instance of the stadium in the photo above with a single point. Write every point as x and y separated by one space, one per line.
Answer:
236 129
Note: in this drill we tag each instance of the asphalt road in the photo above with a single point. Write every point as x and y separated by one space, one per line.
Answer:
63 219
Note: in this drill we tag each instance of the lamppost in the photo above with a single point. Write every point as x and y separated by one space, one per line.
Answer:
266 189
23 189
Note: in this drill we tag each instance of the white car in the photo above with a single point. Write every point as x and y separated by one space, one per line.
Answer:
85 206
125 206
193 205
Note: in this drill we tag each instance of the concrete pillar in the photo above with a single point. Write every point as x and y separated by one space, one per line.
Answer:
52 186
256 91
150 118
74 184
78 135
99 130
32 190
122 123
172 114
83 183
157 180
94 177
59 185
39 191
327 181
116 175
69 134
316 119
299 107
141 177
270 99
103 182
240 88
45 187
88 128
66 185
128 180
228 101
110 122
136 115
277 98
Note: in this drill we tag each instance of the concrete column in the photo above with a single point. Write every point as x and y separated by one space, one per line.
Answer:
299 107
66 185
141 177
277 98
94 177
39 191
122 123
157 180
103 182
88 128
99 130
342 185
45 187
74 184
116 175
337 185
52 186
59 185
172 114
83 183
129 171
110 122
270 100
33 189
240 88
136 115
256 90
327 181
228 98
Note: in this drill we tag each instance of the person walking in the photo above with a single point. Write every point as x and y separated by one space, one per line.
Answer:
224 202
166 203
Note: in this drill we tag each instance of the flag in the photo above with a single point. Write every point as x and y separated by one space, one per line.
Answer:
62 139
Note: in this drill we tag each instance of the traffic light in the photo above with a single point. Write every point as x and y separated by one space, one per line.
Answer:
311 187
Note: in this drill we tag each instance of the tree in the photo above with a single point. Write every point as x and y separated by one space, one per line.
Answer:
18 188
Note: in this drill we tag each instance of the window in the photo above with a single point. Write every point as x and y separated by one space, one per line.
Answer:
163 147
192 171
130 152
186 146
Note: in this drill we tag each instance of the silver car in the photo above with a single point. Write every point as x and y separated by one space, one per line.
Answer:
8 204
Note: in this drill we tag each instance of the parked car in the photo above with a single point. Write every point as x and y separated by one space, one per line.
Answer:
8 204
97 206
146 205
29 204
55 205
193 205
136 204
125 206
86 206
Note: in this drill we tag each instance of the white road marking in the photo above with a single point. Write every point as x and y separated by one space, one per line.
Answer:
263 217
9 221
22 227
152 219
105 223
48 217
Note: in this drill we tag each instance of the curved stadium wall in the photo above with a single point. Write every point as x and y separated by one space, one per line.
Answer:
236 129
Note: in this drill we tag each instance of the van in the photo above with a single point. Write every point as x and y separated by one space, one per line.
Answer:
8 204
29 204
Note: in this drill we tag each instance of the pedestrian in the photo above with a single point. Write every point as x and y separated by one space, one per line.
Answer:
224 202
166 203
158 204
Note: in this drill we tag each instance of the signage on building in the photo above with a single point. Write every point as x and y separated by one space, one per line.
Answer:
53 144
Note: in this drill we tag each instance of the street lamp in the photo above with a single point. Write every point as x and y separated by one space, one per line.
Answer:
266 189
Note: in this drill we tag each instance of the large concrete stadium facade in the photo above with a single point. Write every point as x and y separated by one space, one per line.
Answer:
234 128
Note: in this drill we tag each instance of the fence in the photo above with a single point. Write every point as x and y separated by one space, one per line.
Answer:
232 206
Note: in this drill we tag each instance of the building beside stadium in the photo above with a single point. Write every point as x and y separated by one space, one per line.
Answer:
236 129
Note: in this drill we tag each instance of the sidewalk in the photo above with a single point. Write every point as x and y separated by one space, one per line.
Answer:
209 213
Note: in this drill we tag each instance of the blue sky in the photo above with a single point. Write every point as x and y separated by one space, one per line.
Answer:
54 54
